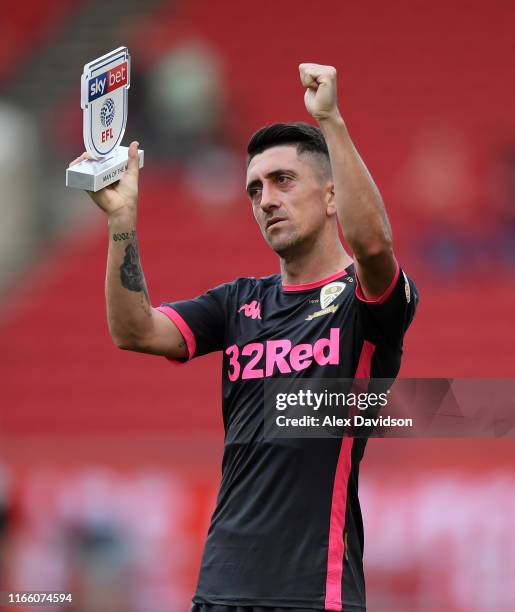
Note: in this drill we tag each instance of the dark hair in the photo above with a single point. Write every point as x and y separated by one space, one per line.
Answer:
307 138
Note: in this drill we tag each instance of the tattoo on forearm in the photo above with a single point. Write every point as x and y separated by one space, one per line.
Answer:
124 236
145 304
131 274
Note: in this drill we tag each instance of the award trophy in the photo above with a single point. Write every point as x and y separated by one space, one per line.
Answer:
104 91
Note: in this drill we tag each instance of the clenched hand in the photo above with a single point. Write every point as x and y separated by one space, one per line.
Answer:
321 92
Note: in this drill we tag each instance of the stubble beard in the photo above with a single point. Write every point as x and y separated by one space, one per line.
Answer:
289 247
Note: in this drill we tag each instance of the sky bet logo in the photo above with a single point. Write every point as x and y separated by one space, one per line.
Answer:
109 81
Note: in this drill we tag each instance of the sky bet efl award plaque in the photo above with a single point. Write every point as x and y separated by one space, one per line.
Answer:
105 86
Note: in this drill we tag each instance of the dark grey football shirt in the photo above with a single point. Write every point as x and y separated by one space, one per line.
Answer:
287 528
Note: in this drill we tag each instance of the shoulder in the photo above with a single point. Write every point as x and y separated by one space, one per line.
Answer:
251 283
245 288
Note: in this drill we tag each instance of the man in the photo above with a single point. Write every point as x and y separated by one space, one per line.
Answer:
286 533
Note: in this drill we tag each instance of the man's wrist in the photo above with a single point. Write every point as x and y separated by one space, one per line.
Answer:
122 221
334 120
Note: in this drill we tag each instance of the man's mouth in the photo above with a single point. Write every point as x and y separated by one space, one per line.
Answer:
274 220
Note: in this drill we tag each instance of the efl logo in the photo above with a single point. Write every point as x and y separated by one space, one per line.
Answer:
107 113
107 82
103 97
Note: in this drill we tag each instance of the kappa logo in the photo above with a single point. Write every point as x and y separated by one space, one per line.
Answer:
252 310
328 294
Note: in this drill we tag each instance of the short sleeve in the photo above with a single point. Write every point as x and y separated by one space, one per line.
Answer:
385 319
201 320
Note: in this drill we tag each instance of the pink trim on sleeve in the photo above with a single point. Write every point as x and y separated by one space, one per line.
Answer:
386 294
184 328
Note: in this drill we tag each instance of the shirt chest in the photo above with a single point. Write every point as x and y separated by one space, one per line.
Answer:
284 334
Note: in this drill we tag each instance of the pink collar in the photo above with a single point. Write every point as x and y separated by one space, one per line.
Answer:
315 284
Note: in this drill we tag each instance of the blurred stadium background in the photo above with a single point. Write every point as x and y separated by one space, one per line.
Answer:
109 461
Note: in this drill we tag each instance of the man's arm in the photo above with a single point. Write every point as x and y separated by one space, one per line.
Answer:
133 323
361 212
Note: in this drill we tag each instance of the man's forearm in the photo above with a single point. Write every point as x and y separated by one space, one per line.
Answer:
127 298
359 204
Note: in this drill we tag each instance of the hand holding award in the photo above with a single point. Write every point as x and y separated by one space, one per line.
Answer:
104 92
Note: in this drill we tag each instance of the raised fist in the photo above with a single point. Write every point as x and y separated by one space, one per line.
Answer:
321 96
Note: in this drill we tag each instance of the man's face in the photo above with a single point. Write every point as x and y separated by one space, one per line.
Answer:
289 197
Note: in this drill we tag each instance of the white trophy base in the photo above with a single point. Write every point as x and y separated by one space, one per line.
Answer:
93 175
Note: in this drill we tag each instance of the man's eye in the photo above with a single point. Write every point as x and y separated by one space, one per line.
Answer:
282 179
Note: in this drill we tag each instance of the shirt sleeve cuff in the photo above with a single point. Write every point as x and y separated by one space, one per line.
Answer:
382 298
185 330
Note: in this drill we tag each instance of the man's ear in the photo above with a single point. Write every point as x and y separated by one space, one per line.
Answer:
330 200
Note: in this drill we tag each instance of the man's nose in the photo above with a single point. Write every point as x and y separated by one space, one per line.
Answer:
268 198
